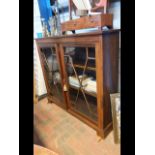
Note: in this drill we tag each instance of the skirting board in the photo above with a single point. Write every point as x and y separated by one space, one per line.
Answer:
42 96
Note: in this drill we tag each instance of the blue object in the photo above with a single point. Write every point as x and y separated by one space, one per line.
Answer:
45 10
39 35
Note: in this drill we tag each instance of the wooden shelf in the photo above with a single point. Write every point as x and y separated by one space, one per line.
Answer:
88 68
87 92
82 67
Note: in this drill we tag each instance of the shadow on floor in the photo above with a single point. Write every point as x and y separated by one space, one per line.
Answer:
36 139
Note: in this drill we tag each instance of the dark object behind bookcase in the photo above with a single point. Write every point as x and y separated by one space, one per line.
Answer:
91 56
52 2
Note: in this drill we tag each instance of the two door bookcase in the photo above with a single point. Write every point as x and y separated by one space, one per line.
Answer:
80 73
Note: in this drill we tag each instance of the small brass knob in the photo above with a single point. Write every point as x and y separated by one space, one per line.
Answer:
65 87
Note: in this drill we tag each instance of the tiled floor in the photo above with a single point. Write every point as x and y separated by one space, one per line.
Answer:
59 131
39 150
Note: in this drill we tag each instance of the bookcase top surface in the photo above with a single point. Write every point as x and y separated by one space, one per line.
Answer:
91 33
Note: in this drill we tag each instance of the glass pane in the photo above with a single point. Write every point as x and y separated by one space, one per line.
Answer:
81 71
52 72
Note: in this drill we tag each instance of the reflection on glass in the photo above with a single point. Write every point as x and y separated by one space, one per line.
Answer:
52 72
81 70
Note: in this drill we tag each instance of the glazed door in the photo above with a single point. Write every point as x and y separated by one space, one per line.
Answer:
52 72
80 73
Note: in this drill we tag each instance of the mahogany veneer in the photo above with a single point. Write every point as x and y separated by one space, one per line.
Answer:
105 44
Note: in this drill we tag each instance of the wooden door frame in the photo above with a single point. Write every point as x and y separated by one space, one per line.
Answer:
99 77
50 45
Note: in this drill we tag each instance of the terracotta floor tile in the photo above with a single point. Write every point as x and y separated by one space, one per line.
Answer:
60 131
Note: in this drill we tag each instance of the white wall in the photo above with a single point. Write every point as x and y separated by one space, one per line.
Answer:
41 88
115 9
36 19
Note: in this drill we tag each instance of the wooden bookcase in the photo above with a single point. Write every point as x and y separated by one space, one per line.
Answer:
80 72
